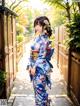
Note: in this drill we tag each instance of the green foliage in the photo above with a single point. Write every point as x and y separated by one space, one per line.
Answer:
29 26
59 3
64 4
20 29
20 38
52 38
74 32
2 78
56 16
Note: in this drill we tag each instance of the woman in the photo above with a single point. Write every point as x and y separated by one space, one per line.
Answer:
39 63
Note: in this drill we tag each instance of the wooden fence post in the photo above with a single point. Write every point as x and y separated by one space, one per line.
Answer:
3 52
69 72
6 50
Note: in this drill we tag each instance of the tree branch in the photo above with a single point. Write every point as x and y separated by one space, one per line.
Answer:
19 9
16 5
60 4
12 4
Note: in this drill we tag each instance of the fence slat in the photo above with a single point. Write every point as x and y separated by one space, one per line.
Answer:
69 65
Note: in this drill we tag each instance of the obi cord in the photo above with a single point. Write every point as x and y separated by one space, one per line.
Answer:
40 57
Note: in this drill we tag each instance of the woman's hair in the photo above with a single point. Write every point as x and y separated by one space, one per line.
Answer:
45 23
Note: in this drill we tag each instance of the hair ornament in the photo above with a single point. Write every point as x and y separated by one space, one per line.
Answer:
46 22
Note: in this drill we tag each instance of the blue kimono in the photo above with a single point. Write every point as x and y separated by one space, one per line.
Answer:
41 61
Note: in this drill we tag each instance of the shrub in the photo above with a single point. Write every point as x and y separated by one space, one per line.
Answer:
20 38
2 78
74 33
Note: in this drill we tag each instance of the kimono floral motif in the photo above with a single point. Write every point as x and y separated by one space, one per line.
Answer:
39 59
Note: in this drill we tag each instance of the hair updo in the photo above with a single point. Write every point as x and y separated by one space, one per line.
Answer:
45 23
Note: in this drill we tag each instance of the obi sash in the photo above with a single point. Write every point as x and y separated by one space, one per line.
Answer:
34 54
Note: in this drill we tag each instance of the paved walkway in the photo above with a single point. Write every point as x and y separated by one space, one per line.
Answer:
22 93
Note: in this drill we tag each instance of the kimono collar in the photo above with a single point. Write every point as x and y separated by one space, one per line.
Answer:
44 35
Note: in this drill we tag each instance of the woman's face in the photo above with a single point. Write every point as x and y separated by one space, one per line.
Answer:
38 29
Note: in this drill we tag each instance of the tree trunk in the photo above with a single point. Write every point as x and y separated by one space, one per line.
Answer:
3 2
68 11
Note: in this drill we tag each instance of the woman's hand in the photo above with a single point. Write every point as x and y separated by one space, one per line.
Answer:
32 71
28 69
